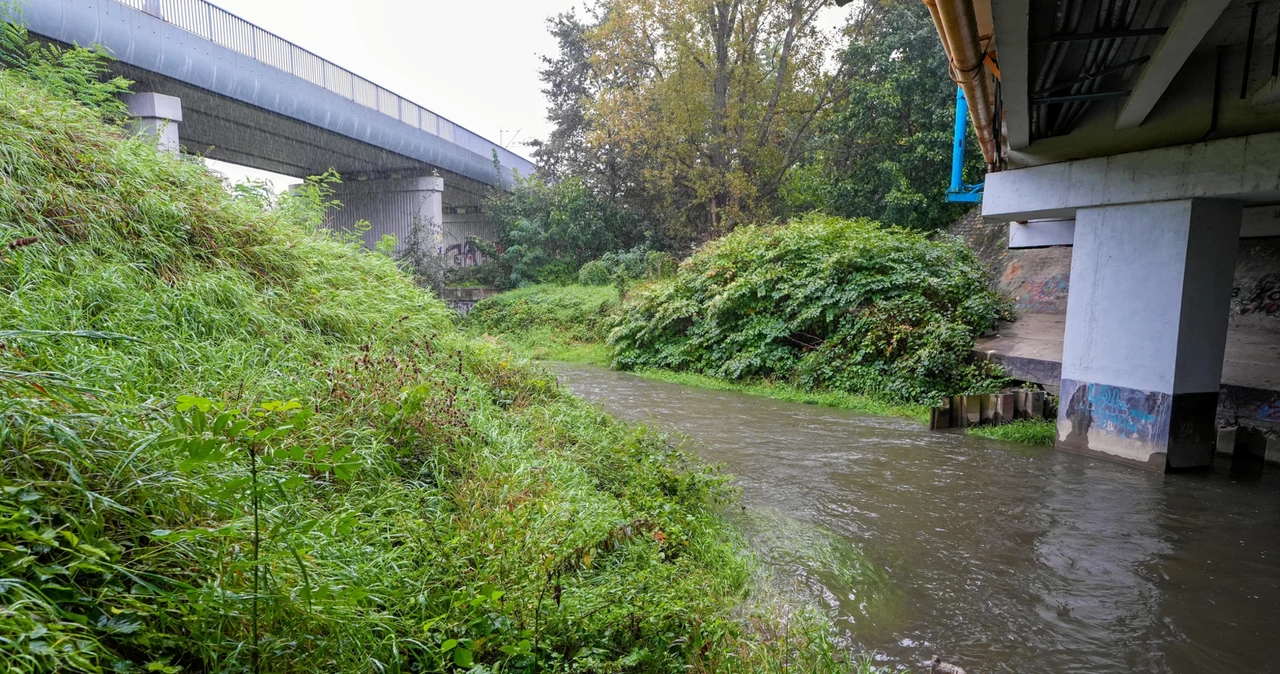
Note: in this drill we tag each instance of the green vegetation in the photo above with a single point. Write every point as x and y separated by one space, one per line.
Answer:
231 442
884 151
547 322
821 310
547 231
637 264
1042 432
571 323
823 303
708 131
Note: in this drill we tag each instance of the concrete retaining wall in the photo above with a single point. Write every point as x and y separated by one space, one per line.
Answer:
1036 278
462 299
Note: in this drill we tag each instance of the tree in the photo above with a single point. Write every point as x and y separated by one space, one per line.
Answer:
569 85
885 153
547 231
690 111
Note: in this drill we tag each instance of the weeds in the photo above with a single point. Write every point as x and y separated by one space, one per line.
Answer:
1042 432
548 322
824 303
570 324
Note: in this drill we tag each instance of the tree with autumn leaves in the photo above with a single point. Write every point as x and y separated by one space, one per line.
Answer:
706 114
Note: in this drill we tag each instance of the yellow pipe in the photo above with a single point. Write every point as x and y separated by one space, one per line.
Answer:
958 28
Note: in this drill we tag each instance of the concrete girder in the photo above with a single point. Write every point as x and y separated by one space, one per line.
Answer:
217 83
1242 168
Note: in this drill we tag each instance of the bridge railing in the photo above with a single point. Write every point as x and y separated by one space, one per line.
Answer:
217 25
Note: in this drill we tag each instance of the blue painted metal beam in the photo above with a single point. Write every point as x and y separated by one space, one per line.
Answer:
959 191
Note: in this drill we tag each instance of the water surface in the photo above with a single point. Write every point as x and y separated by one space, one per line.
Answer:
998 557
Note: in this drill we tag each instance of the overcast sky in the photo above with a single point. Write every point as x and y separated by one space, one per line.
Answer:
473 61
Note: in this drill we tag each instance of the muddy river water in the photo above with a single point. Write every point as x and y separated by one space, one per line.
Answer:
998 557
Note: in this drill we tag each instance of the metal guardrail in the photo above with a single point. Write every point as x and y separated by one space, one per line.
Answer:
217 25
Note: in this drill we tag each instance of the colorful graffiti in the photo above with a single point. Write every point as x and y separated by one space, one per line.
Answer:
1044 294
1263 299
1116 411
462 306
1269 412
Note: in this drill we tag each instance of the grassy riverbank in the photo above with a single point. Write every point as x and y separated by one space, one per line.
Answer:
571 324
1040 432
550 322
781 391
233 442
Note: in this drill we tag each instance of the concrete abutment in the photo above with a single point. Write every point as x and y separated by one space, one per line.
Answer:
156 115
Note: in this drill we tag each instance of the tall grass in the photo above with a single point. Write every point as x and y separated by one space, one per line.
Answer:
230 442
550 322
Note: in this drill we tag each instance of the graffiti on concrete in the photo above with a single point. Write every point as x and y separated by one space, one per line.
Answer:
1269 412
1036 293
1045 294
1263 298
462 306
464 254
1116 411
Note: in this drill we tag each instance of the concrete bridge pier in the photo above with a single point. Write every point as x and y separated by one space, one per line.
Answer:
1154 254
1146 330
156 115
395 206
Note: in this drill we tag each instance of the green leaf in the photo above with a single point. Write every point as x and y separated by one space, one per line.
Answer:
462 657
448 645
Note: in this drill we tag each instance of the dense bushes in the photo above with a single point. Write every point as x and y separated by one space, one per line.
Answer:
417 503
636 264
826 302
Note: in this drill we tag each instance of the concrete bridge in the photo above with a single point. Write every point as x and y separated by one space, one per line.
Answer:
221 87
1146 135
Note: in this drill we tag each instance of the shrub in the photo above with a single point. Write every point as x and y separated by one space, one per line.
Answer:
637 264
574 312
595 273
547 231
825 302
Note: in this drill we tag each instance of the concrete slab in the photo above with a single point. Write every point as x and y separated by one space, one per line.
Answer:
1252 357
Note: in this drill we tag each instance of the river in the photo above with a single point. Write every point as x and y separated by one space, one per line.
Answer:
998 557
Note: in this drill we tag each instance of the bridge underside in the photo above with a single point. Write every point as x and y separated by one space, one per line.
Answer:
229 130
1146 135
238 94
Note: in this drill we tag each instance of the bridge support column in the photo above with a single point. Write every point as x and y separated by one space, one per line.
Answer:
1146 329
407 208
157 115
